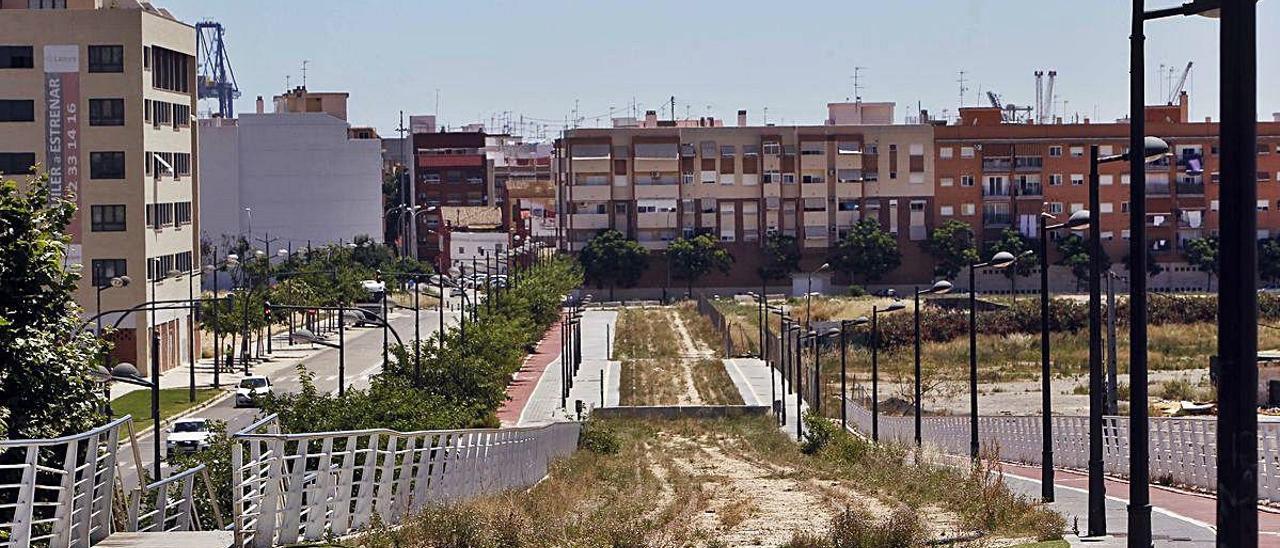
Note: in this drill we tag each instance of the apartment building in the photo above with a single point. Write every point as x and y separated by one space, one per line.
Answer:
658 182
449 169
997 175
522 183
298 176
99 94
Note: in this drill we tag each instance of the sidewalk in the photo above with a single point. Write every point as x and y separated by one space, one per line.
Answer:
751 376
535 393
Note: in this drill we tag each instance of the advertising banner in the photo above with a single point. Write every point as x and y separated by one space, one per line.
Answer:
62 133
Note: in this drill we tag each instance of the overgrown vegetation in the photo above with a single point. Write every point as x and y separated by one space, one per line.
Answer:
677 483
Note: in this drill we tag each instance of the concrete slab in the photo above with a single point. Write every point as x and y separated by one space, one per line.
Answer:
177 539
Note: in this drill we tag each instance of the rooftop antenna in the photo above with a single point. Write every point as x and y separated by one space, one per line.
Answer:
287 83
304 73
766 116
963 87
857 83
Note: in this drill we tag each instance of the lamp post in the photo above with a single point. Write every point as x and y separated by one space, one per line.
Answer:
808 305
844 351
128 373
1078 221
798 350
875 364
116 281
1003 259
773 392
939 287
817 363
1153 148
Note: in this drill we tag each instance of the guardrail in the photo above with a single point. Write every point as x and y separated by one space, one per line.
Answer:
290 488
1183 449
61 491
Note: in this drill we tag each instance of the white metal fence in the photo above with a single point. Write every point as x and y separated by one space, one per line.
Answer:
1183 449
290 488
62 491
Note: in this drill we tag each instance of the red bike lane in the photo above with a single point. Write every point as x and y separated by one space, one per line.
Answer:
520 389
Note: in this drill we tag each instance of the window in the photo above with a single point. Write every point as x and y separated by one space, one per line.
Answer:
772 147
162 113
106 218
1264 205
966 152
106 165
1077 179
1215 177
1264 176
146 57
181 116
105 269
1124 179
1107 207
815 204
847 205
182 213
17 110
813 148
1055 179
966 180
1076 206
1077 152
106 112
946 181
1124 234
728 151
1106 180
1124 207
789 178
170 70
1106 150
848 147
946 153
1263 148
106 58
17 57
1055 152
669 151
811 178
967 210
750 150
947 211
589 151
46 4
1055 208
707 148
14 163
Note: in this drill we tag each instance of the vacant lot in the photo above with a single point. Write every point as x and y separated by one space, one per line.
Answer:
667 361
733 483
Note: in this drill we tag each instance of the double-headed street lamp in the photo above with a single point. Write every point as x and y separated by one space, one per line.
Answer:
939 287
114 282
128 374
894 306
1003 259
808 305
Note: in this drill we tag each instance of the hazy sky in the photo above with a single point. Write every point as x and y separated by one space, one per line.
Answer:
537 58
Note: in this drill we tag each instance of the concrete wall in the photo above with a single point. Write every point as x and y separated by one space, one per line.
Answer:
681 411
299 173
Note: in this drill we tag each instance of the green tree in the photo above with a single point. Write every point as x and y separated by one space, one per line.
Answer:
867 252
46 359
1202 253
1269 259
781 256
952 248
1015 242
610 258
1074 251
693 258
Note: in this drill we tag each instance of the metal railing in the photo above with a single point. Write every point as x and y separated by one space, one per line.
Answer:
1183 449
290 488
61 492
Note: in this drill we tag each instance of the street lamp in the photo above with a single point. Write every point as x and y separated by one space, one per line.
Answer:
1237 301
1003 259
1078 221
894 306
808 318
844 350
117 281
1153 148
939 287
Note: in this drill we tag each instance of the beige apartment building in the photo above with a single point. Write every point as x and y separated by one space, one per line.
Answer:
658 180
99 94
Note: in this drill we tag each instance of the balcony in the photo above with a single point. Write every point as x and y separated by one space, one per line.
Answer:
1160 188
991 219
582 221
1028 163
999 164
1031 190
996 191
661 219
451 160
1187 188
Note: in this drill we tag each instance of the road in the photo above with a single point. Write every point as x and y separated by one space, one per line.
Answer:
363 360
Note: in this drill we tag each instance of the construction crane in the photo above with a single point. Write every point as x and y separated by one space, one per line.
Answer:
1182 83
1010 112
216 79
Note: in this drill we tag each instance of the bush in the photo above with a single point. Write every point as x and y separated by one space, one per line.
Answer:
857 291
858 529
1177 390
599 439
817 434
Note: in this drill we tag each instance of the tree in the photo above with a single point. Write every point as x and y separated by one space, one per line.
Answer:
610 258
867 251
1153 268
1269 259
952 248
46 358
1074 249
781 256
695 257
1013 241
1202 253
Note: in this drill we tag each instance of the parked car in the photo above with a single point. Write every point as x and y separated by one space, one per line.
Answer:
188 436
253 386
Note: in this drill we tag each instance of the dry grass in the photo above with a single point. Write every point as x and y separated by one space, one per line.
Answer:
644 333
726 483
713 383
651 382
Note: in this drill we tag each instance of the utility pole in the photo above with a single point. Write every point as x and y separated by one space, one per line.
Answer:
1112 404
406 191
673 108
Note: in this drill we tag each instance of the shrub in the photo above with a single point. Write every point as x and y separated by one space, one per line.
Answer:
599 439
857 291
859 529
1176 389
818 433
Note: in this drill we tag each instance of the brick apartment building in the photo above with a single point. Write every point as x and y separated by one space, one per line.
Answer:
661 181
658 180
449 170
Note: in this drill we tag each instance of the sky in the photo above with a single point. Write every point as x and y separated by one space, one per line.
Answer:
540 61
